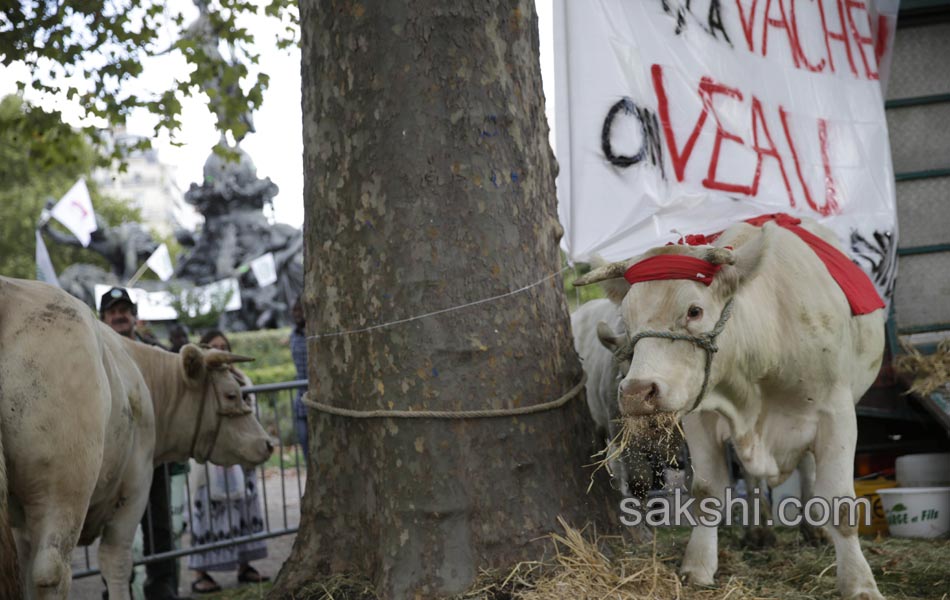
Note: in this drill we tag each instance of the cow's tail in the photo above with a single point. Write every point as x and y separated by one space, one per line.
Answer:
9 571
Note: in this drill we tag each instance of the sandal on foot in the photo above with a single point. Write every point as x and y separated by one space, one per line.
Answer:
205 585
250 575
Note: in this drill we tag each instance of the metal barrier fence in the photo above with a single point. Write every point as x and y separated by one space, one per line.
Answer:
274 409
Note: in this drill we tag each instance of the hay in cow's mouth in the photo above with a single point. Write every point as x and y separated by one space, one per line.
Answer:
658 435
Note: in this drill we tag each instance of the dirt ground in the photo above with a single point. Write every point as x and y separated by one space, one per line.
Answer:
904 569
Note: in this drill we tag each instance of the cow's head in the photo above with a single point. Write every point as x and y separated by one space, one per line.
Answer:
668 375
226 432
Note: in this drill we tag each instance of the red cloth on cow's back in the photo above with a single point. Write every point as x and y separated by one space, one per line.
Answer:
857 287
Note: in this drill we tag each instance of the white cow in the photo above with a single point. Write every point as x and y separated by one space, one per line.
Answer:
632 472
85 415
791 363
603 376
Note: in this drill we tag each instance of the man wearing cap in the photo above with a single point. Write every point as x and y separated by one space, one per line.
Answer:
117 310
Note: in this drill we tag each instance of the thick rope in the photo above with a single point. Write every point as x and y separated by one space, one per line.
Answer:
706 341
445 414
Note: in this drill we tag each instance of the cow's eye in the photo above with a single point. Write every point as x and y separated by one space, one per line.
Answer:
694 313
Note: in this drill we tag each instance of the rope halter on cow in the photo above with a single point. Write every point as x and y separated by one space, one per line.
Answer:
220 410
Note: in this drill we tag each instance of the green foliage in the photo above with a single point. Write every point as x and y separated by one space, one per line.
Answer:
269 347
105 43
272 364
189 303
579 295
41 157
274 374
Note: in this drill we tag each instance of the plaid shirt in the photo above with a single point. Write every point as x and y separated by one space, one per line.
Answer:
298 350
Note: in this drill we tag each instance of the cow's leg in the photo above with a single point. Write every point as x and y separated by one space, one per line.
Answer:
758 535
115 545
806 469
834 478
25 557
710 480
53 531
115 555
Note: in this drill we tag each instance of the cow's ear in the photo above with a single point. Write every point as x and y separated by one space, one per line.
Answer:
615 289
743 266
192 362
749 255
607 337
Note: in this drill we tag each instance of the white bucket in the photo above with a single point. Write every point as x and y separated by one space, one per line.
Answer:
923 470
917 512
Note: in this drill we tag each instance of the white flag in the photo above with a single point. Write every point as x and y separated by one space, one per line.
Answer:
161 263
264 269
44 266
74 211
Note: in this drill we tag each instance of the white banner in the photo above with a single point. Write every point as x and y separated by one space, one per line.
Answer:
213 293
74 211
691 116
150 306
158 306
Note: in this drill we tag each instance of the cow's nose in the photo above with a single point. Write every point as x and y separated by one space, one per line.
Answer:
638 397
270 446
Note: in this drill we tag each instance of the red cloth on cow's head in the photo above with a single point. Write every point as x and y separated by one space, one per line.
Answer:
672 266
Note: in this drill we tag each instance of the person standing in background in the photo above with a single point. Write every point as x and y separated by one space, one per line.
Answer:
298 351
177 338
117 310
226 504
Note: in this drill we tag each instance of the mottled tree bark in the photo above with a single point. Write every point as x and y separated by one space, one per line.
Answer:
430 184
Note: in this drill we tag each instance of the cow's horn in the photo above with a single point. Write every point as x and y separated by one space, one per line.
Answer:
220 358
608 271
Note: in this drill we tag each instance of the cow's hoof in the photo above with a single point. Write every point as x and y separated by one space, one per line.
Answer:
696 576
870 594
759 538
813 536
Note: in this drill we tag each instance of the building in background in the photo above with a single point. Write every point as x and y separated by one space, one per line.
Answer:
149 185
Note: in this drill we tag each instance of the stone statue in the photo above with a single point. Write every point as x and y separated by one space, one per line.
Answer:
232 200
80 280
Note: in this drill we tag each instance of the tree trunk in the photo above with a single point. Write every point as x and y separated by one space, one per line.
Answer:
430 184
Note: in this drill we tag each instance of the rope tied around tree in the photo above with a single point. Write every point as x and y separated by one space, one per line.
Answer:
446 414
706 341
